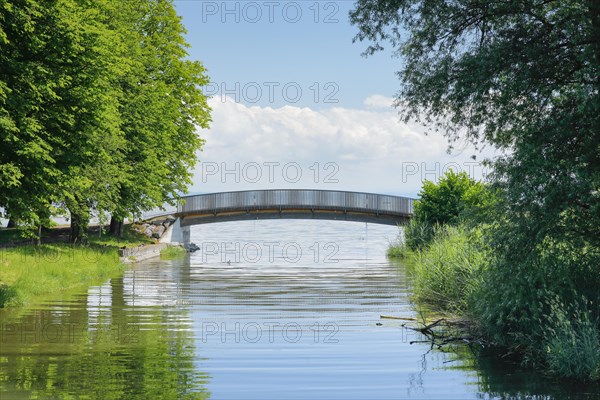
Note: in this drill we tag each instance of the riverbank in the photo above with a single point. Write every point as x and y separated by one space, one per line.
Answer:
29 273
451 276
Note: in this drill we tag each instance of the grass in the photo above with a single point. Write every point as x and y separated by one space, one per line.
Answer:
131 238
543 308
399 251
446 273
572 345
30 273
172 252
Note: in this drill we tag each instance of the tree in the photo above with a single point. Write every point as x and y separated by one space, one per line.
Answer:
523 76
57 111
98 109
161 107
29 31
444 202
89 153
454 199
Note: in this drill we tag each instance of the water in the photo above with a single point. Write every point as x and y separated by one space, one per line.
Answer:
267 310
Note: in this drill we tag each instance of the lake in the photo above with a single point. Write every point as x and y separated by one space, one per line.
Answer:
265 310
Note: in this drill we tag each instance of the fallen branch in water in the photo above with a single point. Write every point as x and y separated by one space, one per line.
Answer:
443 331
393 317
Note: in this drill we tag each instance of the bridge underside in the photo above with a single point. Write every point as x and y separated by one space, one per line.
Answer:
384 219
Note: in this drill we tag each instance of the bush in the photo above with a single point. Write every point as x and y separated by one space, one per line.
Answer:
418 234
543 301
415 237
398 250
171 252
455 199
443 202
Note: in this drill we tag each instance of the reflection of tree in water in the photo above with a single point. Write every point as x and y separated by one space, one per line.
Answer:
502 378
120 352
415 383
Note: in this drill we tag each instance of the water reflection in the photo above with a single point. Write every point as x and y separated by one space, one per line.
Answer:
101 346
233 323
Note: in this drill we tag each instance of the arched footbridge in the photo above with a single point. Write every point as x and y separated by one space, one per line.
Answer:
290 204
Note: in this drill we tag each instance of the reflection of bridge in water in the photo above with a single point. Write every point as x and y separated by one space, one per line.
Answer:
289 204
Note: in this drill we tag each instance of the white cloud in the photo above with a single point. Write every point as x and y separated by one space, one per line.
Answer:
369 149
377 101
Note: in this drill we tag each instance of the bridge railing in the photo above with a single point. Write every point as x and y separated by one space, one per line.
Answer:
301 199
159 212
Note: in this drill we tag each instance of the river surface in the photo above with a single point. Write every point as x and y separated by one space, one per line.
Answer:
266 310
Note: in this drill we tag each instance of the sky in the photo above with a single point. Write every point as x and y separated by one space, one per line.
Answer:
296 105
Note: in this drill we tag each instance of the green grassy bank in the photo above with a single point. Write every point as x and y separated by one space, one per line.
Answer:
29 273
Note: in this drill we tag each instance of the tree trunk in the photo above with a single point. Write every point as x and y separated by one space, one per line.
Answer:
116 226
38 241
79 228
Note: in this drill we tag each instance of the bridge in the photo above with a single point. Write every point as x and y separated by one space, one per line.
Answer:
290 204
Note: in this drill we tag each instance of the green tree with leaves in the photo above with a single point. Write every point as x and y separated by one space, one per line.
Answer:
443 202
59 111
162 107
523 76
99 109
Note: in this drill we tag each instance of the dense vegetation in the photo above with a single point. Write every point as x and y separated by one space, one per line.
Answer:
98 110
523 76
546 312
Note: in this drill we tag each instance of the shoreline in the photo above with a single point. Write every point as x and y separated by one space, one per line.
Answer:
30 273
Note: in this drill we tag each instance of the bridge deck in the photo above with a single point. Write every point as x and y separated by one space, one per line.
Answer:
294 203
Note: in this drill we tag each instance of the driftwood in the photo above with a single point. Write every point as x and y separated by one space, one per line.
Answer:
448 331
393 317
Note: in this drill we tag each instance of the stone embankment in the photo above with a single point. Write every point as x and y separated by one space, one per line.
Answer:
155 229
139 253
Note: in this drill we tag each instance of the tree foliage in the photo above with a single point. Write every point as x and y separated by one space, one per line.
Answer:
523 76
445 201
455 198
161 106
98 109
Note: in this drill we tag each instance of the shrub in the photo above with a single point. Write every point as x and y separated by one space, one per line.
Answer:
444 202
530 299
171 252
418 234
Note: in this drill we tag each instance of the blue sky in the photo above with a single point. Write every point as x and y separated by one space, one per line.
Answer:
285 45
299 93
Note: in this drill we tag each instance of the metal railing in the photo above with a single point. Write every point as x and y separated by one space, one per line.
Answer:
287 199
